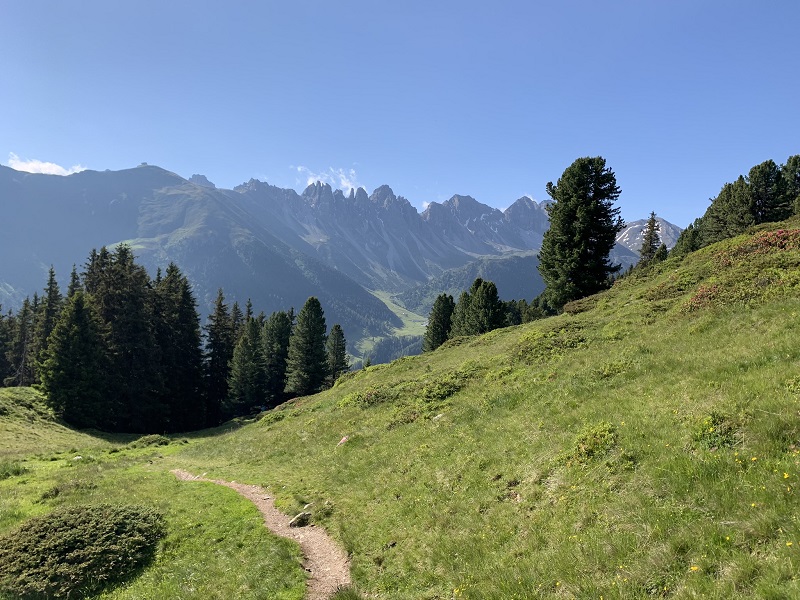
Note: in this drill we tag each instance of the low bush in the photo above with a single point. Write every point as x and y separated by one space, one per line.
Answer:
593 441
77 551
716 431
149 440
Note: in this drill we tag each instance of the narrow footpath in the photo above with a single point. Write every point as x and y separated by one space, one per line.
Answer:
327 564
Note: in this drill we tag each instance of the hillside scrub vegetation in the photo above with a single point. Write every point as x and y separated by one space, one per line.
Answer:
76 551
215 543
644 443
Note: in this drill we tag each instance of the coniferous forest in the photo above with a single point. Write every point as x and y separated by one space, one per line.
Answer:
123 352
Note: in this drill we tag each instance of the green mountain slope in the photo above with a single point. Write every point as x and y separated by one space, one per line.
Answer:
516 278
27 426
644 444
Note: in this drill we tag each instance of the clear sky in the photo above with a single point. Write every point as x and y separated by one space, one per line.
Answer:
438 97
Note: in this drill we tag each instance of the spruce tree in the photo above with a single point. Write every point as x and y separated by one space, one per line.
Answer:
459 322
276 333
791 182
247 379
486 311
573 260
439 323
74 283
74 366
336 354
6 337
122 292
237 322
20 354
650 240
306 366
767 191
49 310
219 347
177 327
690 239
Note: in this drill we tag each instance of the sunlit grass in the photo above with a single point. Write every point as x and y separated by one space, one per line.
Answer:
645 444
216 545
478 494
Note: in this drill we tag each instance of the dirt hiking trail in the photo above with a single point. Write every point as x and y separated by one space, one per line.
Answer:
326 563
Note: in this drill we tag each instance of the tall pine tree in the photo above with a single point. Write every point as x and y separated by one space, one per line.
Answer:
306 366
6 337
74 366
486 311
767 191
584 223
21 353
177 327
650 241
336 354
439 323
122 292
276 333
247 380
791 182
220 342
49 310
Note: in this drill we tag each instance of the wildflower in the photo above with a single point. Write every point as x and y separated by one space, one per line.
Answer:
789 544
786 476
755 458
694 568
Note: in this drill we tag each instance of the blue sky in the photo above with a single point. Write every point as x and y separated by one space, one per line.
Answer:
434 98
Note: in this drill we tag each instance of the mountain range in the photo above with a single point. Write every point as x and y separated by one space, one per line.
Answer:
273 245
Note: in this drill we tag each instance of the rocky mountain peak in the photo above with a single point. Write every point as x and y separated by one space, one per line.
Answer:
361 195
528 215
202 181
383 196
318 194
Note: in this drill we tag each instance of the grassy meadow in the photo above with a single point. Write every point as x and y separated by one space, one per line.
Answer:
216 545
644 444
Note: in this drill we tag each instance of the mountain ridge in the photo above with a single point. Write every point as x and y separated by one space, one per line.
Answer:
257 240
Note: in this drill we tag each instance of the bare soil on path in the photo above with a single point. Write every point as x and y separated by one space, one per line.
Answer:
326 562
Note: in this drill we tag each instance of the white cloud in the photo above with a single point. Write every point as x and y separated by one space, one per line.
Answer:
38 166
344 179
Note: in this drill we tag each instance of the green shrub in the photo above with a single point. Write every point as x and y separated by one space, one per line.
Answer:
538 347
593 441
77 551
441 389
716 431
273 416
149 440
11 469
368 397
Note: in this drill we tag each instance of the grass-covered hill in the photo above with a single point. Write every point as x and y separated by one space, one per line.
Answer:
645 444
